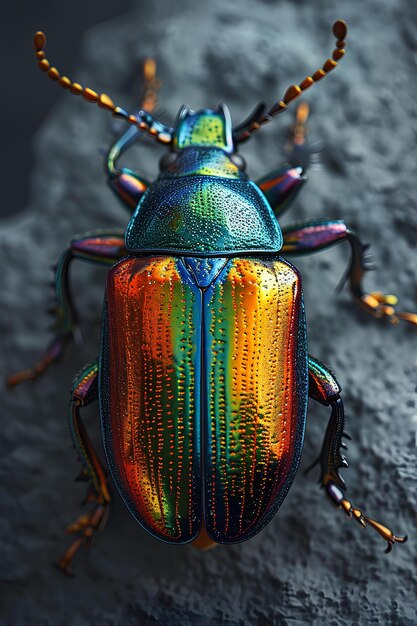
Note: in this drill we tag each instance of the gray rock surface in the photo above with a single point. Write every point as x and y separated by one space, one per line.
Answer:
311 565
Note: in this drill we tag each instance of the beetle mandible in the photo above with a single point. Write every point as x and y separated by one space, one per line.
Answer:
203 375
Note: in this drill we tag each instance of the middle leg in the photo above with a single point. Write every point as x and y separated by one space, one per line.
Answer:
102 248
309 237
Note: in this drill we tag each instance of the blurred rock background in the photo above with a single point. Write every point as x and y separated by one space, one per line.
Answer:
311 565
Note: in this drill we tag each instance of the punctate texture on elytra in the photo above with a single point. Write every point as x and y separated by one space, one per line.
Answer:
203 386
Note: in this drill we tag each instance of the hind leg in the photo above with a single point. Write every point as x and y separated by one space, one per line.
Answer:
84 392
324 388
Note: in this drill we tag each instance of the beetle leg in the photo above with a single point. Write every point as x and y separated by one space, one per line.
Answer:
129 186
386 533
281 186
324 387
84 527
84 392
309 237
102 248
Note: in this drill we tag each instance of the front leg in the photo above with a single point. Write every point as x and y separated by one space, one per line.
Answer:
102 248
282 185
324 388
129 186
309 237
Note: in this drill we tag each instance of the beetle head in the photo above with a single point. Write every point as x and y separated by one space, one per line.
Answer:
205 127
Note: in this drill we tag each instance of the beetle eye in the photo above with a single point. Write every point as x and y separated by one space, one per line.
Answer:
166 160
239 161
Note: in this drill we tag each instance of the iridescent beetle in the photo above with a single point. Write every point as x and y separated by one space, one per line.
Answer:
203 375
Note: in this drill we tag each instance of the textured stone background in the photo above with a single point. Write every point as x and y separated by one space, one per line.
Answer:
310 565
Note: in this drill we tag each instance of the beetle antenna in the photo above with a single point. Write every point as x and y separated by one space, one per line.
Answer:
254 116
294 91
142 119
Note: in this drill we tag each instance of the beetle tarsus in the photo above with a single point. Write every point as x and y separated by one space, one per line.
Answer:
298 152
382 306
378 304
53 354
84 526
385 532
352 512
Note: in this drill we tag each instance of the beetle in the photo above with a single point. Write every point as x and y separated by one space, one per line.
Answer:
203 375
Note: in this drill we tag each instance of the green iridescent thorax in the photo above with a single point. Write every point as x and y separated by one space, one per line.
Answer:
205 127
